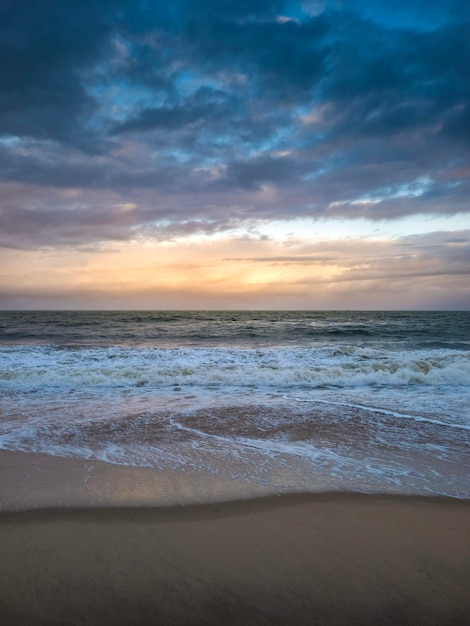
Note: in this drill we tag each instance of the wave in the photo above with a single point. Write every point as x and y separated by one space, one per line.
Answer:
41 367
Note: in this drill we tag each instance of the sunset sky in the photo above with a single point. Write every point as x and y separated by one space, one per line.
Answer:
248 154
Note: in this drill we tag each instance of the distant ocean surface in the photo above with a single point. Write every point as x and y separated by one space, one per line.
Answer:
298 401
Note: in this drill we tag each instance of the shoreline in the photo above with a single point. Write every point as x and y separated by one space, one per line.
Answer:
35 481
32 481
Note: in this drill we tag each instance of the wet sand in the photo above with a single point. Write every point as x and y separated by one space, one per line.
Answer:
290 559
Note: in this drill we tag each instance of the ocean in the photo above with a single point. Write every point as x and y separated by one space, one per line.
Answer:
374 402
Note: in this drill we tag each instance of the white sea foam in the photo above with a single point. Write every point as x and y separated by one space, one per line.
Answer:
273 460
43 367
385 417
373 409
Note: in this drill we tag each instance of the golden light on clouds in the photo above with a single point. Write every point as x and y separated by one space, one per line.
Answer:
236 272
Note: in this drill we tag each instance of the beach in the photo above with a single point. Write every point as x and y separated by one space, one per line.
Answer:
248 468
326 558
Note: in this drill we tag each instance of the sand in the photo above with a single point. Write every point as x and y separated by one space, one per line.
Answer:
290 559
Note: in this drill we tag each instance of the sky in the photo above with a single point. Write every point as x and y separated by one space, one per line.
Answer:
234 154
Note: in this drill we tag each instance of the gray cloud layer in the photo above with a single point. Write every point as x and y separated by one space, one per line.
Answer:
189 110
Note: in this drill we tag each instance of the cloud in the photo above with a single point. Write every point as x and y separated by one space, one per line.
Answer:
45 52
286 260
219 115
429 271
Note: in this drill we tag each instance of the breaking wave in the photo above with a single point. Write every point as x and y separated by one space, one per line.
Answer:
27 368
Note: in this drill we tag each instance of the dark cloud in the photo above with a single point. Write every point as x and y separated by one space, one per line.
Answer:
45 47
267 169
204 104
189 110
389 82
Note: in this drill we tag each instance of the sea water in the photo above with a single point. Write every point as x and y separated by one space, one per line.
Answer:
301 401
